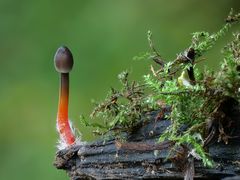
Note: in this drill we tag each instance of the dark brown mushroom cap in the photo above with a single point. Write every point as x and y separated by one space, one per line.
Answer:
63 60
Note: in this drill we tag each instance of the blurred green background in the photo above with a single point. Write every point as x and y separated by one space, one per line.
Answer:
104 36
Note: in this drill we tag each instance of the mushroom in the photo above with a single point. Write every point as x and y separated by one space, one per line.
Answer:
63 61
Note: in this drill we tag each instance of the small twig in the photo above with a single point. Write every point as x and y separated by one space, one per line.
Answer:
153 71
157 57
200 60
210 137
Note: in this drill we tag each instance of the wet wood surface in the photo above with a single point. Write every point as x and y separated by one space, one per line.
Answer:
141 158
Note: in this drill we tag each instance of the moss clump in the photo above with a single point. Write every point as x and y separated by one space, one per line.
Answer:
198 103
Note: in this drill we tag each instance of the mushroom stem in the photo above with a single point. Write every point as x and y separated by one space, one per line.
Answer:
63 124
63 60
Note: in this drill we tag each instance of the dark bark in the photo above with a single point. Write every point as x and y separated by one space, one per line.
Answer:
140 157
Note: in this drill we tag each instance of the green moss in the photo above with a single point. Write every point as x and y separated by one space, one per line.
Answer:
193 105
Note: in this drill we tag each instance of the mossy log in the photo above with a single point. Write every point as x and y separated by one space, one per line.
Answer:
140 157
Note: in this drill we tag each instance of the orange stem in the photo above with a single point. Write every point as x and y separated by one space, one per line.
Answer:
65 131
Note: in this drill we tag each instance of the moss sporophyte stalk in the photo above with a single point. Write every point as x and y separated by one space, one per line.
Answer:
198 104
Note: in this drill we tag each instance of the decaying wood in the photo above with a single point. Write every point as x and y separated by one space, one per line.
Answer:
140 157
